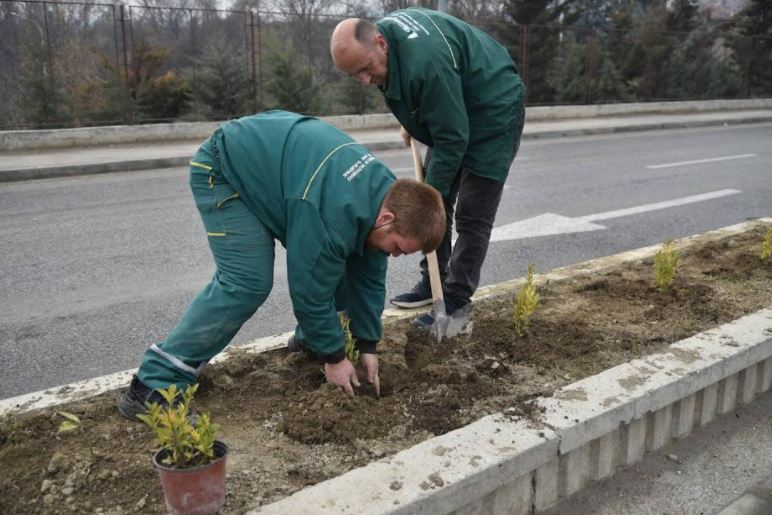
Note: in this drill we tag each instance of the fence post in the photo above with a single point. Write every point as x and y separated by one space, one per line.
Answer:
126 118
50 64
590 66
260 58
252 58
524 55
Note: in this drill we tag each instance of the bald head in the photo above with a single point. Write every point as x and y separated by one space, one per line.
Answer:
358 49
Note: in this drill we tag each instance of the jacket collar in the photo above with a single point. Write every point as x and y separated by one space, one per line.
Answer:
392 89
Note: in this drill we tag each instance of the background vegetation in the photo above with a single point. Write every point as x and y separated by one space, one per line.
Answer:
75 64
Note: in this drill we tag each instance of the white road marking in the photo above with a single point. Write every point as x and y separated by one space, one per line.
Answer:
700 161
657 205
549 224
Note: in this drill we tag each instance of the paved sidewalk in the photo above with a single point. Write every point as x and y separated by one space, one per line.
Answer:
18 166
756 501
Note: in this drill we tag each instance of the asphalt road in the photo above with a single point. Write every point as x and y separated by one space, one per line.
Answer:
94 269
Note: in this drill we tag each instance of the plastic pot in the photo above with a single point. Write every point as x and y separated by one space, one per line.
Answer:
194 491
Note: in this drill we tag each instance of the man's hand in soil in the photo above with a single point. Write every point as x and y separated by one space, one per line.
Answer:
367 370
342 374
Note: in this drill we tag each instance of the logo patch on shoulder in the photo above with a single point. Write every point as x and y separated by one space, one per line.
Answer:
358 166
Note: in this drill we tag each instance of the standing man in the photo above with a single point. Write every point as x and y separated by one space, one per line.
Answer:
457 90
337 210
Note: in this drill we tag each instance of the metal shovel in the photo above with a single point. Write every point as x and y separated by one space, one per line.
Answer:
444 326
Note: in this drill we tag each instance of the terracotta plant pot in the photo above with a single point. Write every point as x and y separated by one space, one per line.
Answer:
194 491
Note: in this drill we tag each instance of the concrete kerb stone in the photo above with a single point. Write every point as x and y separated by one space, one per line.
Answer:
601 110
595 406
440 475
20 140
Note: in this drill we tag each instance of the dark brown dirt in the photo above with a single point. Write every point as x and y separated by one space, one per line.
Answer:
287 429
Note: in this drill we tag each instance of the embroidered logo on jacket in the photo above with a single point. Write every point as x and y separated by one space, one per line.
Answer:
408 24
358 166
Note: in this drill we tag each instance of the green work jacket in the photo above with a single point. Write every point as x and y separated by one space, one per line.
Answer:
454 88
318 192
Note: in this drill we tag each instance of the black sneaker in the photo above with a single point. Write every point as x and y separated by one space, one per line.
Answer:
420 295
132 402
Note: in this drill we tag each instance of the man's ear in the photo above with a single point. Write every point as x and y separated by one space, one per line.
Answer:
384 217
381 42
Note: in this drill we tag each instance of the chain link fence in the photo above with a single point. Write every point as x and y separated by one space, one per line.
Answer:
68 64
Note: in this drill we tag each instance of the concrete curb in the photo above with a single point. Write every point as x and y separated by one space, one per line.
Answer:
133 165
47 172
591 428
20 140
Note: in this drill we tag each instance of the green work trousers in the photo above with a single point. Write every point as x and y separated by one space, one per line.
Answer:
243 251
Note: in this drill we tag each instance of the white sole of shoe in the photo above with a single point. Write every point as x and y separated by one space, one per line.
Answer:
409 305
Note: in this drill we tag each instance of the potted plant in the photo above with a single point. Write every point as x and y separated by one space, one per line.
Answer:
191 463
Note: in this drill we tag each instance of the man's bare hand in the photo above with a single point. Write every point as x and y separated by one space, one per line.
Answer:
405 136
367 370
342 374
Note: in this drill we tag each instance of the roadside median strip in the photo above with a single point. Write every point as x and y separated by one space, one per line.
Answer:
587 430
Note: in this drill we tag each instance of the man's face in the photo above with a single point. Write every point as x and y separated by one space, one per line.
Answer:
383 237
365 62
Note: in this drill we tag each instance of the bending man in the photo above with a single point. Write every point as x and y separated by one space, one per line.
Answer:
337 210
457 90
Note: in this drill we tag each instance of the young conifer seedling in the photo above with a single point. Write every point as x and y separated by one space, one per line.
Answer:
349 342
766 245
665 265
525 304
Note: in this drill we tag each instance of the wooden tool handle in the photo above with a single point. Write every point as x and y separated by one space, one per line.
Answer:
431 257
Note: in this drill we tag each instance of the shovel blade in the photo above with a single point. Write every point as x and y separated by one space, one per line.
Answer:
440 324
448 326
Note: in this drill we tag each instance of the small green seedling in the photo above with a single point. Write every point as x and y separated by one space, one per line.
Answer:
766 245
665 265
525 304
187 445
72 421
349 342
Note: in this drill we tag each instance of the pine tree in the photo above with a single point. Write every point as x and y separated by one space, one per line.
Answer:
220 82
754 46
291 84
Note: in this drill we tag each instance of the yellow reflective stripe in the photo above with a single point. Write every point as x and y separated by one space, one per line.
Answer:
311 180
215 234
201 165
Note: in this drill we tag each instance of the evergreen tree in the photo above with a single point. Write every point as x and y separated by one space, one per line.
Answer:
610 87
354 98
542 19
220 82
291 84
682 16
567 74
754 46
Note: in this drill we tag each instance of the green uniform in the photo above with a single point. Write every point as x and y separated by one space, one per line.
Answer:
295 179
456 89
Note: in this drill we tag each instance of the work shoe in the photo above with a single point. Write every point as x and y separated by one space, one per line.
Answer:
296 345
132 401
420 295
426 320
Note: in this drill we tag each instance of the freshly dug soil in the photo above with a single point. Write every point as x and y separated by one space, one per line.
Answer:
287 429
